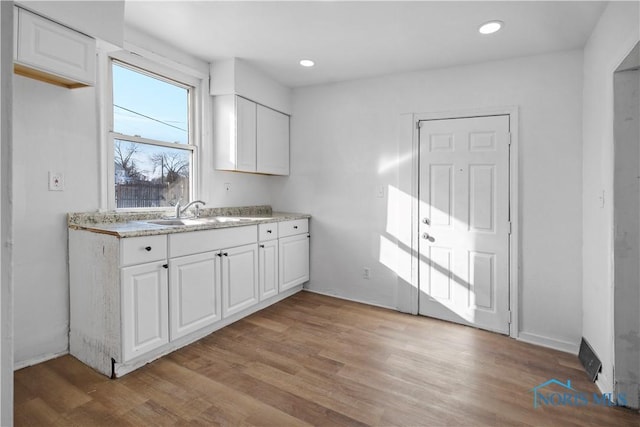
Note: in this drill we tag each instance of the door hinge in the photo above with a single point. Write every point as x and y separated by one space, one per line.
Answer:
510 227
418 124
509 138
510 317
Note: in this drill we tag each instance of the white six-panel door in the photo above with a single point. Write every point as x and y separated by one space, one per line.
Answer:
464 221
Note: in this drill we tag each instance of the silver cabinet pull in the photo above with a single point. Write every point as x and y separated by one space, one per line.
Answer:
426 221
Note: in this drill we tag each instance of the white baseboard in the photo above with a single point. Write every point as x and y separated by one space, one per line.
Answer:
39 359
565 346
313 291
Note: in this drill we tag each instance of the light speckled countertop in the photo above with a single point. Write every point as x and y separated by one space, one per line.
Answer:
133 224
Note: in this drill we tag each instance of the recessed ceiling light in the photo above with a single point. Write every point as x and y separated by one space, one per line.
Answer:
490 27
307 63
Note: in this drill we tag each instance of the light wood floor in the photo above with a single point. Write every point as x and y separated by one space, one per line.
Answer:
317 360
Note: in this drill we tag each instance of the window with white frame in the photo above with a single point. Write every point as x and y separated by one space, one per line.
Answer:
151 135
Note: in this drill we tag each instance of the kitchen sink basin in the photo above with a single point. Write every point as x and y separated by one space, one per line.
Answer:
175 222
226 219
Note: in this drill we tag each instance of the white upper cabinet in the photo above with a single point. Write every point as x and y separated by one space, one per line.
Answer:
246 139
272 142
50 52
249 137
234 133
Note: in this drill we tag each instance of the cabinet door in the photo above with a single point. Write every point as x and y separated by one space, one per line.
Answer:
145 309
239 278
245 135
268 269
294 261
194 293
54 49
272 142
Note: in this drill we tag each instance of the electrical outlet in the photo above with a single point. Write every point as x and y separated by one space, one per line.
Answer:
56 181
366 273
227 187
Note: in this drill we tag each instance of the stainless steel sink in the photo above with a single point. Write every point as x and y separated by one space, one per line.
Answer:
226 219
175 222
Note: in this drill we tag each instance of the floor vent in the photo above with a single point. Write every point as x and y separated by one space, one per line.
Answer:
589 360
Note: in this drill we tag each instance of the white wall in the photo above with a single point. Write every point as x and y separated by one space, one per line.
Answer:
614 36
55 129
100 19
344 145
235 76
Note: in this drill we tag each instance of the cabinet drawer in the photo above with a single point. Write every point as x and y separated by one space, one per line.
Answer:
138 250
290 228
267 231
181 244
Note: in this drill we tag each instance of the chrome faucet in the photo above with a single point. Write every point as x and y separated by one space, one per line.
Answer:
180 210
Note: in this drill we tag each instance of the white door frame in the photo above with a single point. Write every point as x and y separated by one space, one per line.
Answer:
412 139
6 214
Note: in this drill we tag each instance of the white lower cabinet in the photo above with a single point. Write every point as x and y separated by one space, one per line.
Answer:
268 269
294 261
239 278
134 299
145 309
195 297
268 260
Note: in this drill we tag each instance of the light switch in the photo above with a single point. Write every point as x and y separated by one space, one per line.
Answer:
56 181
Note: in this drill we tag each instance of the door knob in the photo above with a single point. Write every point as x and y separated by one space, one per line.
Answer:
428 237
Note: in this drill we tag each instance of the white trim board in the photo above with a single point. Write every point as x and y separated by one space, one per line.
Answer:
552 343
313 291
37 360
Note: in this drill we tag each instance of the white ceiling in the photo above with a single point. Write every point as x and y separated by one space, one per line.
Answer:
350 40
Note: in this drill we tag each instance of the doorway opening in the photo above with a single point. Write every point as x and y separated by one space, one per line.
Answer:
626 208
